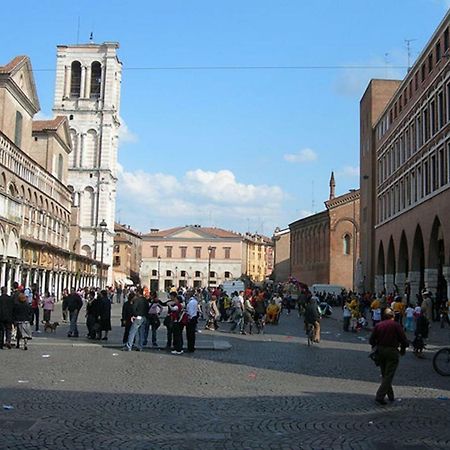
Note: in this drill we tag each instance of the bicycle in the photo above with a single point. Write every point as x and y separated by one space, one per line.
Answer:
441 361
310 333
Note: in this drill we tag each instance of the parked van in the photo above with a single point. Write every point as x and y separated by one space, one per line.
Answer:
234 285
327 288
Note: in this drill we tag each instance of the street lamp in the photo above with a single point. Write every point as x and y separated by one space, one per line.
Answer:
209 265
159 272
103 226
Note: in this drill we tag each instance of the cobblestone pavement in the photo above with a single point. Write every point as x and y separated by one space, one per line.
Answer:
268 392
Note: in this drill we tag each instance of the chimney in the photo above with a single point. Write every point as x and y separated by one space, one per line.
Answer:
332 186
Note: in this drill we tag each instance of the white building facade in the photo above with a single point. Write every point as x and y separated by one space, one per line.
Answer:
87 91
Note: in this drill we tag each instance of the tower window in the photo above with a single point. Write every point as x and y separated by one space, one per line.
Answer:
75 80
18 129
96 79
347 244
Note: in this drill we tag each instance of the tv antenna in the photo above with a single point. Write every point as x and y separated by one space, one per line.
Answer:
408 51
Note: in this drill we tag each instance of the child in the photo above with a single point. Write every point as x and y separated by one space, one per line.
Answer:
409 318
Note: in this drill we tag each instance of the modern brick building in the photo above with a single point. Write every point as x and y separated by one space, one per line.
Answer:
324 246
405 175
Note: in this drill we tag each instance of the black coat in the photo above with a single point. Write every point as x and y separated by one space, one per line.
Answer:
22 312
6 308
127 311
105 314
74 302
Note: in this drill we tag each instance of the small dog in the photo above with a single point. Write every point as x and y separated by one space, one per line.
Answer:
51 326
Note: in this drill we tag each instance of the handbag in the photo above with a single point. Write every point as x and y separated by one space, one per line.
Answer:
375 356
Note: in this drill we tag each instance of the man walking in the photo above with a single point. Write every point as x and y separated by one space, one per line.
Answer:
140 310
192 313
74 304
387 337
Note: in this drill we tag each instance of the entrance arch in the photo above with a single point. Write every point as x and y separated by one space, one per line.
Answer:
434 279
402 265
389 278
379 277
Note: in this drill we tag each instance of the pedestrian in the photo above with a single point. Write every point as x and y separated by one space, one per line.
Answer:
409 321
65 294
427 305
421 333
6 318
177 316
154 311
48 302
387 337
105 315
312 317
346 314
213 314
74 304
238 311
35 304
93 307
168 320
140 309
192 314
127 314
22 315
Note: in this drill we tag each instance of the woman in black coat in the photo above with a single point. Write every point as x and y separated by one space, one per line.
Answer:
105 315
93 308
22 314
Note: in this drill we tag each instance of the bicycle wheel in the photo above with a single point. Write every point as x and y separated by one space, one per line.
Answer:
441 362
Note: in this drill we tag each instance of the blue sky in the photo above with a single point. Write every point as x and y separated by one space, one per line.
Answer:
238 149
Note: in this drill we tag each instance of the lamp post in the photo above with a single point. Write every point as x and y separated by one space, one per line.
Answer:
209 265
159 272
103 226
352 191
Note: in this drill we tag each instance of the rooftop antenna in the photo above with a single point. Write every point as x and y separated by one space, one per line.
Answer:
408 50
78 30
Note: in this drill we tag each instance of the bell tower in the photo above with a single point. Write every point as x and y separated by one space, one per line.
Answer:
87 91
332 187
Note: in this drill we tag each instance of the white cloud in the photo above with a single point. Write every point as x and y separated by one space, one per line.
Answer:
302 156
349 171
125 134
198 196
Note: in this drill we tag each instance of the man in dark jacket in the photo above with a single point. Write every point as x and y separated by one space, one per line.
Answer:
140 311
387 337
6 318
312 317
74 304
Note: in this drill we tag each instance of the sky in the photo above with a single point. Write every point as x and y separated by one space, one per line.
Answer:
243 149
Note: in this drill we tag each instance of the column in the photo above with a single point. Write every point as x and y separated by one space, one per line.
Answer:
67 73
51 288
17 273
35 276
3 273
83 81
82 147
414 283
446 274
431 280
389 282
400 279
28 278
87 91
43 286
9 279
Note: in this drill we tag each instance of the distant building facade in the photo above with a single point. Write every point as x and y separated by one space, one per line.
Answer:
258 257
405 175
87 91
35 204
324 246
282 255
127 255
192 256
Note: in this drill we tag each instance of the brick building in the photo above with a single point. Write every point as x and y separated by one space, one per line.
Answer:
282 255
405 175
324 246
127 255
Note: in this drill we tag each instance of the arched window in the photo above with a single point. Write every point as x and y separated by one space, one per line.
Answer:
75 81
18 129
96 79
87 207
347 244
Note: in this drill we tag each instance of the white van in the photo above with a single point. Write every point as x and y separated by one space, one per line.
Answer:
231 286
327 288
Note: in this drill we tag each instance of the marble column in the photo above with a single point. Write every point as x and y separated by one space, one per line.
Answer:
87 91
389 282
67 74
83 81
431 280
446 274
3 273
400 279
414 283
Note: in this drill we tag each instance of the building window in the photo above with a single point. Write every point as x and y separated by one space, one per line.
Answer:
154 251
347 244
154 273
227 251
168 252
438 51
430 62
75 80
441 110
168 273
422 72
183 274
116 248
96 79
227 275
59 171
212 274
18 129
198 252
117 260
198 274
183 251
446 41
213 252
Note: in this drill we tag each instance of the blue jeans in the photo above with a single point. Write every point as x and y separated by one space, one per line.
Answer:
143 331
136 325
73 328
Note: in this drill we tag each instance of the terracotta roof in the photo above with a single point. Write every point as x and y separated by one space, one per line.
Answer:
8 68
216 232
48 125
119 227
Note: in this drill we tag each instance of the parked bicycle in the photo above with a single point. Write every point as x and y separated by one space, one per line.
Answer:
441 361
